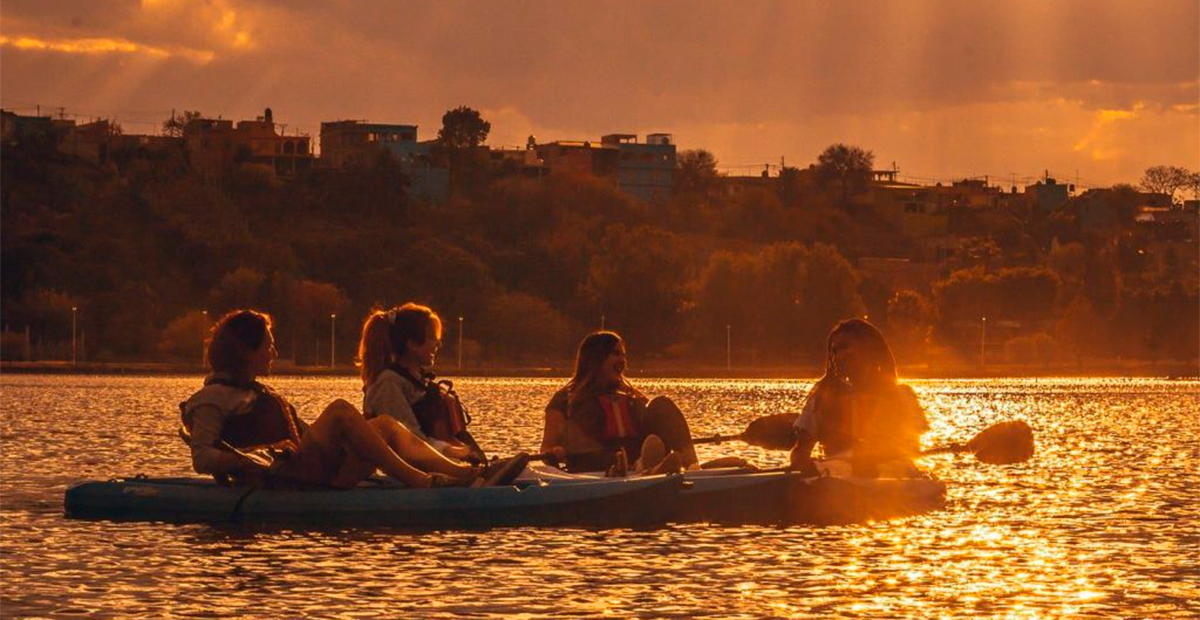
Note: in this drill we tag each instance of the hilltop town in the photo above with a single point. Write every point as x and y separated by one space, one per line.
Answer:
120 247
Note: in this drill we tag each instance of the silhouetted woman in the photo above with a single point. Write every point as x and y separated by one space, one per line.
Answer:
241 429
600 422
858 407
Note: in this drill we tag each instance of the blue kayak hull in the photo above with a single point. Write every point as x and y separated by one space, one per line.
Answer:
182 500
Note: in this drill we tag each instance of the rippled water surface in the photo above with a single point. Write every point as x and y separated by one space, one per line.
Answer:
1104 522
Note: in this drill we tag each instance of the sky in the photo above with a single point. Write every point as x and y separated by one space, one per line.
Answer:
1094 90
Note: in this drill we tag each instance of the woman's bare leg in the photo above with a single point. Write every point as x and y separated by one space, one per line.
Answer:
415 450
341 426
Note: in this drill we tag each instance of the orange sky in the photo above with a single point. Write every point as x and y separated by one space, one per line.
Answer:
944 88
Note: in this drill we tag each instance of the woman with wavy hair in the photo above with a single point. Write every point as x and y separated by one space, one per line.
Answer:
600 422
859 409
240 429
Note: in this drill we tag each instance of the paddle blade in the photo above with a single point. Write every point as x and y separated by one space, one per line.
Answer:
1003 443
773 432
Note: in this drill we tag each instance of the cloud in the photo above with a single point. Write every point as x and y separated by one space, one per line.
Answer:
758 79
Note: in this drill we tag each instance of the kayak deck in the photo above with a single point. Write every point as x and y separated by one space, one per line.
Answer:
627 502
779 497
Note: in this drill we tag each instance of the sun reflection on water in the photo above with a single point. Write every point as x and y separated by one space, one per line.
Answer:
1100 523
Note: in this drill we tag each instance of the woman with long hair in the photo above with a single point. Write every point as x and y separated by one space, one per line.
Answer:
241 429
396 355
600 422
859 408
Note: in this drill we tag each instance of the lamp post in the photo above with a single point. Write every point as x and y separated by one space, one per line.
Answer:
728 347
460 342
206 326
73 311
332 338
983 342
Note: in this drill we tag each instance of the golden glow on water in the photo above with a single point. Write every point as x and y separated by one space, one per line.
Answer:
1103 522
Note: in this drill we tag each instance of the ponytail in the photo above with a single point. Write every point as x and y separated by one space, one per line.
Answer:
374 348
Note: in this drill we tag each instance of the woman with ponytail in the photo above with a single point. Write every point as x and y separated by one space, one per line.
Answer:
396 356
240 429
858 409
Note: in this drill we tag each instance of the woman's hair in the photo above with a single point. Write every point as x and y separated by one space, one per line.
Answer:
234 337
874 348
593 350
386 334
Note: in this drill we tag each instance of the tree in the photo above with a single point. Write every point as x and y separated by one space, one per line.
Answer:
463 128
1167 180
909 320
849 167
695 172
184 335
175 125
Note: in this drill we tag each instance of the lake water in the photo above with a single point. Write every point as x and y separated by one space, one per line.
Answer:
1103 522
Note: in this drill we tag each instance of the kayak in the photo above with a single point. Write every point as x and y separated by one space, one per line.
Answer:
541 496
779 497
633 501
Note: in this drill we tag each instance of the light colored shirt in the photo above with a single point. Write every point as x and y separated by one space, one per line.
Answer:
392 395
207 411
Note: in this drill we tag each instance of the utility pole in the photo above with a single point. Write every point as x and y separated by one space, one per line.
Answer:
601 322
460 342
332 339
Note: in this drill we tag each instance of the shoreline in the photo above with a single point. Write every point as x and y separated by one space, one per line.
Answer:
1132 369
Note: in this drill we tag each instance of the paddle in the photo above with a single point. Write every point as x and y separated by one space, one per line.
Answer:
1002 443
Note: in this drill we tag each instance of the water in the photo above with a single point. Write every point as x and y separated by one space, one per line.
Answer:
1104 522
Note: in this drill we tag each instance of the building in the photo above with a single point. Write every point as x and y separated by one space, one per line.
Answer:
914 210
645 170
518 161
16 128
1049 195
351 143
583 158
215 145
347 143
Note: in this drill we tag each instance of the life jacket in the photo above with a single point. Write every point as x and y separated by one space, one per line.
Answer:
271 421
619 423
439 411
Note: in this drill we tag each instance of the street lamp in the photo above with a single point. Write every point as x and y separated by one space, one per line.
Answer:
73 310
206 326
728 347
460 342
332 338
983 342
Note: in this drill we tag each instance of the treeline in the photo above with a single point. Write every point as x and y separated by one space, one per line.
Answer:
149 252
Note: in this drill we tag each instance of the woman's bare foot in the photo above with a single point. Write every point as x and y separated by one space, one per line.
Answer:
653 453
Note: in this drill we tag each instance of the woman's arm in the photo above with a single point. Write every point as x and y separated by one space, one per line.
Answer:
552 433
